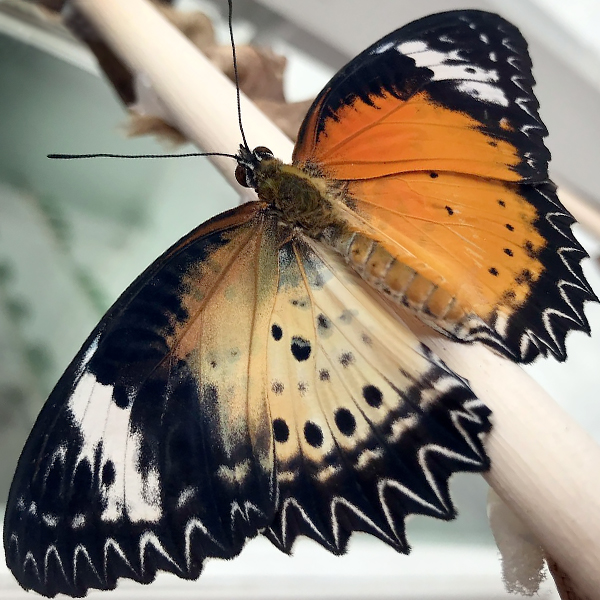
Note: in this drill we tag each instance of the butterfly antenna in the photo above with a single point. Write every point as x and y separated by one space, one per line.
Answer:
106 155
235 74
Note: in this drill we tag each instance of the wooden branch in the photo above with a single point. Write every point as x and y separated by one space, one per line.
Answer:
585 211
544 466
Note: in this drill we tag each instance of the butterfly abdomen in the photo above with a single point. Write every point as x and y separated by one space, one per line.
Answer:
400 282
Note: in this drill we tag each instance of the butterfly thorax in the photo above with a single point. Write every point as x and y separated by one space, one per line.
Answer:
301 200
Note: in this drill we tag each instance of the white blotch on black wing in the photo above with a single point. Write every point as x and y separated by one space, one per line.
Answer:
470 78
107 437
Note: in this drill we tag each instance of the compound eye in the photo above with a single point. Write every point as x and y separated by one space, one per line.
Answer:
240 176
262 152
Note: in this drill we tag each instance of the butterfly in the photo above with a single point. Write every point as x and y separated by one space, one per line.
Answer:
258 378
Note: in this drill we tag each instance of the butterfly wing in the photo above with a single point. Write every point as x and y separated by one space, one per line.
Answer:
368 424
246 382
433 146
154 451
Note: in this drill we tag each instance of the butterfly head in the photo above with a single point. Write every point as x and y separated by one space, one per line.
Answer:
248 164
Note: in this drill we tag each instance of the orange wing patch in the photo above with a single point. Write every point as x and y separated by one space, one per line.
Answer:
457 249
385 136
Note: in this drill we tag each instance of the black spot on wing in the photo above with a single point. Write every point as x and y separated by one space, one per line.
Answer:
347 316
313 434
373 395
121 397
345 421
323 323
300 348
529 249
281 431
524 277
108 473
346 359
300 302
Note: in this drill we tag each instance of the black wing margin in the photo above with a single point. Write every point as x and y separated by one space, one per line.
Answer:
556 300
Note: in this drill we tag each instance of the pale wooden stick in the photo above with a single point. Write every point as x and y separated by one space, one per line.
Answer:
584 211
544 465
564 585
198 96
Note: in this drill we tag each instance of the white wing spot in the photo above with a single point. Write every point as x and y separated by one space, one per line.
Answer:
382 48
471 79
412 47
185 496
483 91
78 521
368 456
100 421
91 350
237 473
50 520
400 426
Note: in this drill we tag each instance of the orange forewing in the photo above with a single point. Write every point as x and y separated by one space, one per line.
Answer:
388 136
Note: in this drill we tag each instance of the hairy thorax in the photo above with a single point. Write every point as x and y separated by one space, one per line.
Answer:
301 200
